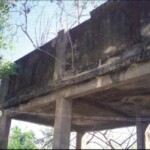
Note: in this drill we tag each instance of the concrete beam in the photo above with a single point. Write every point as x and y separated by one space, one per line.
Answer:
62 125
38 119
132 74
5 123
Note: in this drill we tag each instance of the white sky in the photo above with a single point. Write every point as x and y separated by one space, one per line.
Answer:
26 126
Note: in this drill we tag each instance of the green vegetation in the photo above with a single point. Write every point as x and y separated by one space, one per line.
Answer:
47 139
27 140
21 140
6 68
4 18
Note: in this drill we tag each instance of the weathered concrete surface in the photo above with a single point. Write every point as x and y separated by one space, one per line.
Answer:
105 71
5 123
33 70
141 139
140 128
113 29
116 36
62 127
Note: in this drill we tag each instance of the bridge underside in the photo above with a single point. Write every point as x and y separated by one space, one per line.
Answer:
104 102
96 76
117 99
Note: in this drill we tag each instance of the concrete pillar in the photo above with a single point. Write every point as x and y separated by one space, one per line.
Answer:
79 140
5 123
147 138
61 44
141 128
62 126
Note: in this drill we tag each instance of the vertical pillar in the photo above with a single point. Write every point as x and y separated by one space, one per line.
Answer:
61 43
79 140
141 128
62 126
147 138
5 123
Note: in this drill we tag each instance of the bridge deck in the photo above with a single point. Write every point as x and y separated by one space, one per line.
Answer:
96 76
103 102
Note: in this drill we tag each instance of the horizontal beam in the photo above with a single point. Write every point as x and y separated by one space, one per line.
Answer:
132 72
108 108
40 118
132 75
97 122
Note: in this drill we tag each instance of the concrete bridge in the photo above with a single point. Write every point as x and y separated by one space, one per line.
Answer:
96 76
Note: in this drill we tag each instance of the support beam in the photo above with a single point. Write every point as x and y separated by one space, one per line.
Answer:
38 119
5 123
62 126
79 140
109 108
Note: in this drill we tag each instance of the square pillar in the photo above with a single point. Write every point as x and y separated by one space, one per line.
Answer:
141 128
62 125
5 123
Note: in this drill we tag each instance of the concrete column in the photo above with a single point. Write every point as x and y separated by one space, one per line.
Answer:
141 128
79 140
62 126
5 123
147 138
61 43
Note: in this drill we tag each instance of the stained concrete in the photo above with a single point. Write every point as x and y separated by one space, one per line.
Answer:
104 70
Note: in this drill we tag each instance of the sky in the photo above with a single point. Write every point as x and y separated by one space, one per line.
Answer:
23 46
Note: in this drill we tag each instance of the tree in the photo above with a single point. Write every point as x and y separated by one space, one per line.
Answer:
46 140
5 27
4 9
124 138
67 14
6 67
21 140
